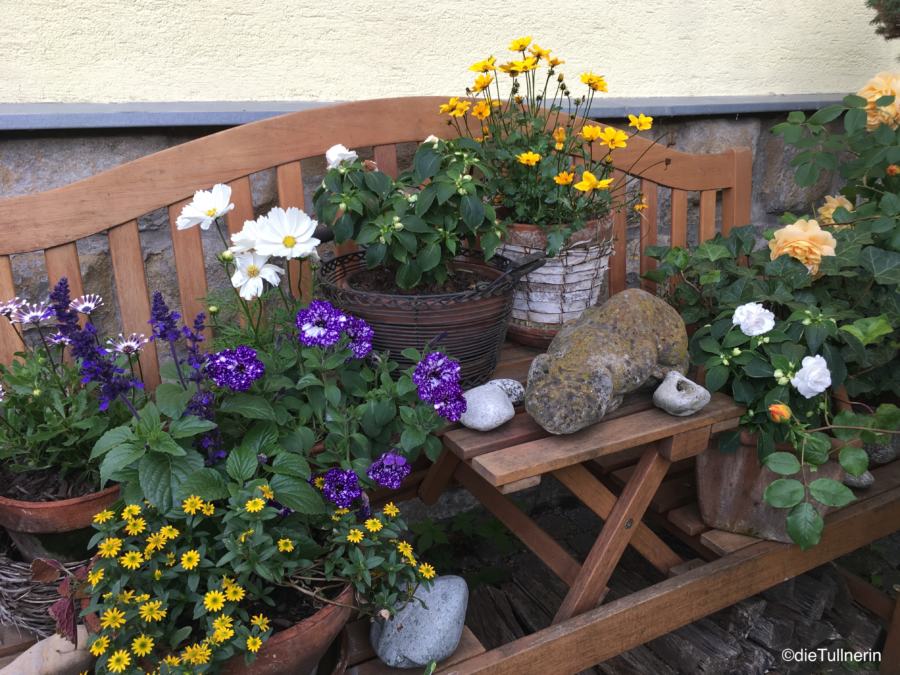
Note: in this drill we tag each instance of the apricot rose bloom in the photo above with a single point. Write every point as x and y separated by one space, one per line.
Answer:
805 241
832 202
779 412
883 84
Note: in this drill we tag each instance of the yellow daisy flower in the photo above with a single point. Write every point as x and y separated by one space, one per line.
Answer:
427 571
222 622
482 82
103 516
591 132
100 645
214 601
339 513
595 82
485 66
131 511
234 593
131 560
118 662
640 122
135 526
197 654
390 510
156 541
481 110
373 525
253 643
354 536
528 158
564 178
142 645
113 618
254 505
152 611
285 545
520 44
169 532
125 597
613 138
559 135
109 547
405 548
319 481
172 660
208 509
539 52
590 182
267 492
192 505
261 622
190 559
94 577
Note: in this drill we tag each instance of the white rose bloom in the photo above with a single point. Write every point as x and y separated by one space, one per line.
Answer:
753 318
813 378
287 234
252 269
206 206
338 154
245 240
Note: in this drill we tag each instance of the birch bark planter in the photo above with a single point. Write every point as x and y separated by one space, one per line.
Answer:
58 529
564 287
297 650
730 487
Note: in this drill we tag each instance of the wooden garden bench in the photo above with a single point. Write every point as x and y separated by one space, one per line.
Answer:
109 205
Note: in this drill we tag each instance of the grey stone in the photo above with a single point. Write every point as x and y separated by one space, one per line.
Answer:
630 341
866 480
426 631
678 395
880 453
512 388
487 407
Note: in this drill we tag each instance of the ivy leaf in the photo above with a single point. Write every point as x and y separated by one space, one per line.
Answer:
784 493
883 265
804 525
831 492
783 463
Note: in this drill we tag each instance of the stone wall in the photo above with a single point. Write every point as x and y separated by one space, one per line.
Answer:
31 162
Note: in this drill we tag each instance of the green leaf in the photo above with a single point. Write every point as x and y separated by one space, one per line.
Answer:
716 377
375 254
250 406
804 525
408 275
109 440
826 114
759 368
291 464
783 493
172 399
711 251
796 117
378 182
165 444
854 460
429 257
425 163
855 120
883 265
120 457
206 483
870 329
241 463
783 463
297 494
190 426
816 447
154 474
300 439
471 209
831 492
854 101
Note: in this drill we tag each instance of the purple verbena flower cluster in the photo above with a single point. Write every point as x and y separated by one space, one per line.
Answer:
322 324
389 470
235 369
342 487
437 379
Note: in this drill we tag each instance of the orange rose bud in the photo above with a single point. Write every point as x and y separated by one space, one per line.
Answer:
892 169
779 412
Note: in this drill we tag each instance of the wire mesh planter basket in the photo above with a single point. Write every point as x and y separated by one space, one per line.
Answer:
470 325
564 287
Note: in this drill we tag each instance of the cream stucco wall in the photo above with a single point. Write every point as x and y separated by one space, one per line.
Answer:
207 50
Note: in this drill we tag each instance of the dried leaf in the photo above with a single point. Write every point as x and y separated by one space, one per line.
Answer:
63 611
46 571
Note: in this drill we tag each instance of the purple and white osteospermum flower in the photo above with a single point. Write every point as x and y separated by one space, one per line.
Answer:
9 307
58 339
32 313
128 345
86 303
320 324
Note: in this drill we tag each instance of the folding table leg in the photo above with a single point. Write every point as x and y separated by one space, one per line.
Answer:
890 654
599 499
617 532
438 477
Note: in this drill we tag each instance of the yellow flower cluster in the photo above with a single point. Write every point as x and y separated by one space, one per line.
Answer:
194 505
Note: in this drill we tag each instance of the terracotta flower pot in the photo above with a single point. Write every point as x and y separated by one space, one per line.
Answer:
564 287
57 529
471 324
298 649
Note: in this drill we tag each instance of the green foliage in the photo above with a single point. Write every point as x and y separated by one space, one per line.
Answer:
415 225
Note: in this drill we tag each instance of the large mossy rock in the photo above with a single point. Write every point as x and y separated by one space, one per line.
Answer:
630 341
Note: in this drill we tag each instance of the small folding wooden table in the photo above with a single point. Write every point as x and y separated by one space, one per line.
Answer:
493 464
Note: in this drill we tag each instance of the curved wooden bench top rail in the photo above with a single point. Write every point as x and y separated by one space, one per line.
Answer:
65 214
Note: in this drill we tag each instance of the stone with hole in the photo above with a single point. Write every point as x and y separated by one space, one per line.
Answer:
678 395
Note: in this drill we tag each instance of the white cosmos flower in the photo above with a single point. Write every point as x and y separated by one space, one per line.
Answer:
287 234
245 240
338 154
206 206
753 318
252 269
813 378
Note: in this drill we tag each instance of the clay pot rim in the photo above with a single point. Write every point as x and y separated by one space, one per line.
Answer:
57 503
54 517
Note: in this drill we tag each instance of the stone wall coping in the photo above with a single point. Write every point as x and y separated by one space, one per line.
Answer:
61 116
